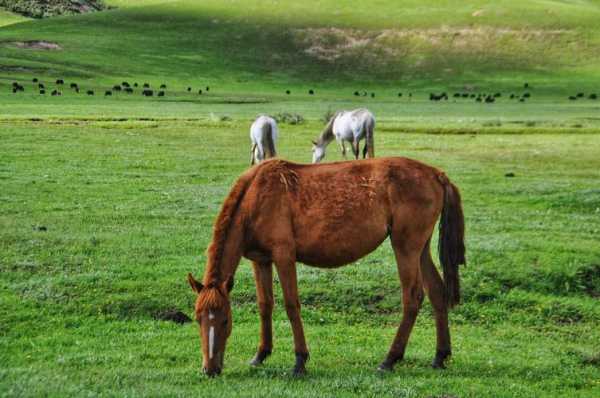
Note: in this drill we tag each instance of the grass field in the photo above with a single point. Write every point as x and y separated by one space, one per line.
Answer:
107 203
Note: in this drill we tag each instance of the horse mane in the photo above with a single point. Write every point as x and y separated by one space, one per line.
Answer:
222 226
327 134
211 298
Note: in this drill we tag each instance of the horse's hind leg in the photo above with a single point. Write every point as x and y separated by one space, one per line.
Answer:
436 293
412 298
263 275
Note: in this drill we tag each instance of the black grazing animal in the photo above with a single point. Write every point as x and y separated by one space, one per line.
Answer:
456 95
148 93
521 99
526 95
478 99
107 93
40 85
128 90
490 99
200 92
90 92
311 91
465 95
117 87
189 89
399 94
135 84
163 86
372 95
580 95
42 91
593 96
573 98
55 93
146 85
288 92
77 90
35 80
512 96
60 81
125 84
526 85
207 88
161 93
356 93
498 95
73 85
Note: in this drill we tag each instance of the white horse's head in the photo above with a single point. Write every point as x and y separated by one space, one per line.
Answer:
318 152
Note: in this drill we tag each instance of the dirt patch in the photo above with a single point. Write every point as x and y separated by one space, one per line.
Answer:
173 316
37 45
331 44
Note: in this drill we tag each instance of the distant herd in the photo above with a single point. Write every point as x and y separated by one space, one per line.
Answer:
147 91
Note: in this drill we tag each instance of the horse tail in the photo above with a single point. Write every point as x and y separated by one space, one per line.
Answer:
451 246
269 140
370 139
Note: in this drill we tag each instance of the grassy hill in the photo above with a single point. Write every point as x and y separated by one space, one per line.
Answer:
332 43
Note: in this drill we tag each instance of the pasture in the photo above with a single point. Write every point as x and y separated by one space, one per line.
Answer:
106 203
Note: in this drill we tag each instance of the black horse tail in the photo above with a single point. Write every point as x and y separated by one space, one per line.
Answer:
451 246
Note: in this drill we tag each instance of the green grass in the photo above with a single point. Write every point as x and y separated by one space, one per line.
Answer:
107 203
128 207
551 44
7 18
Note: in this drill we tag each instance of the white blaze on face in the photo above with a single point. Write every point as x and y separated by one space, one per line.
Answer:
211 337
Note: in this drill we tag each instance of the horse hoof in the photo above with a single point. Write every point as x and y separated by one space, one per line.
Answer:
299 372
259 358
385 367
440 357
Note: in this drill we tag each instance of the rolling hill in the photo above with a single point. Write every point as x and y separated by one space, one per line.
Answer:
333 43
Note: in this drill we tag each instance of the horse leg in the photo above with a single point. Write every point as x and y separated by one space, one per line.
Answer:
355 148
343 146
412 297
252 155
434 286
263 275
286 269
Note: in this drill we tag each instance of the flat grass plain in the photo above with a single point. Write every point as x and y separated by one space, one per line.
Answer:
107 203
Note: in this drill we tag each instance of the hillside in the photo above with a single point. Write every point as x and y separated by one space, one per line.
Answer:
338 43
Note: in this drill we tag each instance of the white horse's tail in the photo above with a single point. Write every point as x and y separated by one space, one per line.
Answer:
270 134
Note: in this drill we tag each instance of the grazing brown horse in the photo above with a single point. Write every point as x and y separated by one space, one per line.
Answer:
327 216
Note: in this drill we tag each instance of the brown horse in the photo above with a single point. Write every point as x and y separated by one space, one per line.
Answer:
327 216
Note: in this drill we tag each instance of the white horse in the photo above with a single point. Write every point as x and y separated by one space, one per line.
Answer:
263 134
351 126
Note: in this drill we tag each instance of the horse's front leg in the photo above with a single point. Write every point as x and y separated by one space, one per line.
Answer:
286 269
263 275
343 146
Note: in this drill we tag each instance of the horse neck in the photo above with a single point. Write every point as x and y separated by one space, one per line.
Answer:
327 135
224 255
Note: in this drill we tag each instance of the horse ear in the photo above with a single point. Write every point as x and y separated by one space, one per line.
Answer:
314 142
196 286
228 284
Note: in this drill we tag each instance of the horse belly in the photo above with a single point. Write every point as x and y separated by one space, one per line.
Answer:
330 245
